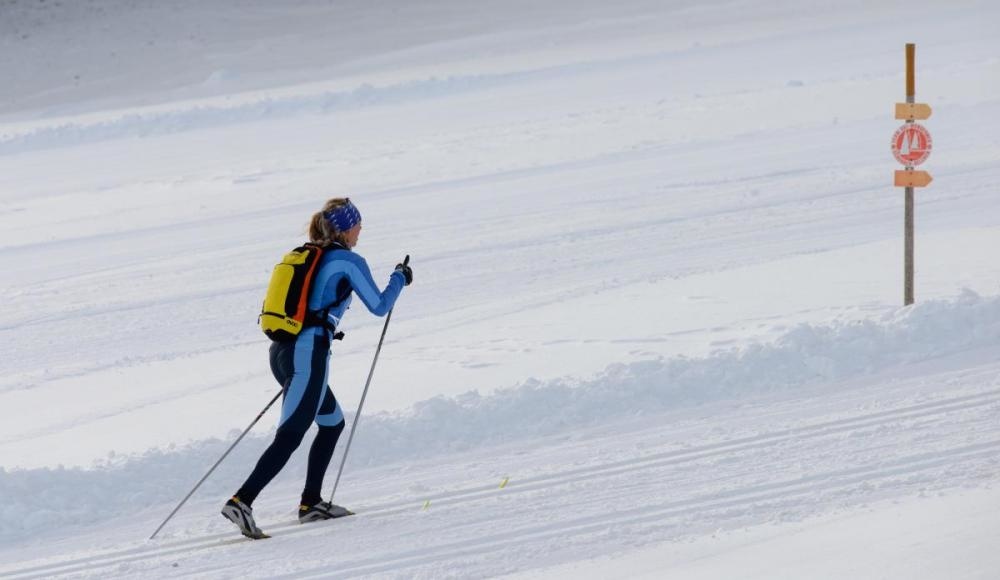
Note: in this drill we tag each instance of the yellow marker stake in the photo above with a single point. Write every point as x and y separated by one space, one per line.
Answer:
503 483
427 504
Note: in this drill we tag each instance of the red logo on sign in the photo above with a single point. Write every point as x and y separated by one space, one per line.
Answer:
911 144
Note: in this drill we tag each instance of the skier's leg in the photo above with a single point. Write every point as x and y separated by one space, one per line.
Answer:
303 391
330 421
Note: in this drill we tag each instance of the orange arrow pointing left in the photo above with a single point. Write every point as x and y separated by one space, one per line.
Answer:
912 178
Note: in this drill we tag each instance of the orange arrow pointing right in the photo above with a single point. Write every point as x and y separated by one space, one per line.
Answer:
913 111
912 178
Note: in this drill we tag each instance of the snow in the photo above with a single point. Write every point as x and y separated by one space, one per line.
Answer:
805 357
658 286
884 541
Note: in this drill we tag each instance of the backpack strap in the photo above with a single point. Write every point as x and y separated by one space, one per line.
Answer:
344 290
322 317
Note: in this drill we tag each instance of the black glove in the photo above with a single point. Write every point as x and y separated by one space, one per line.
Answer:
404 267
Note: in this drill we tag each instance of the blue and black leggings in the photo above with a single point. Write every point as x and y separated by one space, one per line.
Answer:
301 368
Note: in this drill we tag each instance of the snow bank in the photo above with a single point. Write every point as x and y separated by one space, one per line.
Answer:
217 113
221 112
805 355
35 499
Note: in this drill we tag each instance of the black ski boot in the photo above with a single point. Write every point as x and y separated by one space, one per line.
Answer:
242 515
323 510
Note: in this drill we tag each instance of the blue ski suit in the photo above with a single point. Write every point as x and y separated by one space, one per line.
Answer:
302 367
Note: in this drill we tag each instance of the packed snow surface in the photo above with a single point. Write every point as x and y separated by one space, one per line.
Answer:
655 327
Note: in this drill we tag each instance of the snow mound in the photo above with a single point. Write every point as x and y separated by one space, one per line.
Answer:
806 355
212 113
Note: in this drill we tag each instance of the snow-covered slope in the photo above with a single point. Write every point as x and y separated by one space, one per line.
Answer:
658 276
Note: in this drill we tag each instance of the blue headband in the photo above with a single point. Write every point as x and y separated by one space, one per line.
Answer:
344 217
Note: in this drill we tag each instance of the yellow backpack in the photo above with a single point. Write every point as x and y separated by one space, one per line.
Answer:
286 305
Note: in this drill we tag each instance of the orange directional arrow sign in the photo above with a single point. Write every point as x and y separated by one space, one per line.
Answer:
913 111
913 178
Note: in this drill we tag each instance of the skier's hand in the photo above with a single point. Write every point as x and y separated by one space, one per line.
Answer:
405 269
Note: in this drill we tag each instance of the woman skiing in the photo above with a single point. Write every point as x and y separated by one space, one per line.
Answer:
301 365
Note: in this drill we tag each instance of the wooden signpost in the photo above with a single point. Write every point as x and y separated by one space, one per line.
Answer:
911 146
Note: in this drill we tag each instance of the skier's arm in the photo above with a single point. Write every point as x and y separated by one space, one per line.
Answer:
378 302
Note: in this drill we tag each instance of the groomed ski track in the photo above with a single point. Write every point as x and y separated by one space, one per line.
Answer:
777 459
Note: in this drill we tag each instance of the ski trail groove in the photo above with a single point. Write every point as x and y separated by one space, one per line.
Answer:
805 486
516 487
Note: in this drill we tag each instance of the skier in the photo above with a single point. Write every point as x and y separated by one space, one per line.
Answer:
301 366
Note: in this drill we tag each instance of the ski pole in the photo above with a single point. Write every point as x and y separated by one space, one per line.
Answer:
364 394
202 480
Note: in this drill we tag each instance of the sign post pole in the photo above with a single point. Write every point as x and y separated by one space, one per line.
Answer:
911 146
911 50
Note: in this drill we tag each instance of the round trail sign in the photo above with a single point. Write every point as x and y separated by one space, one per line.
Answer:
911 144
